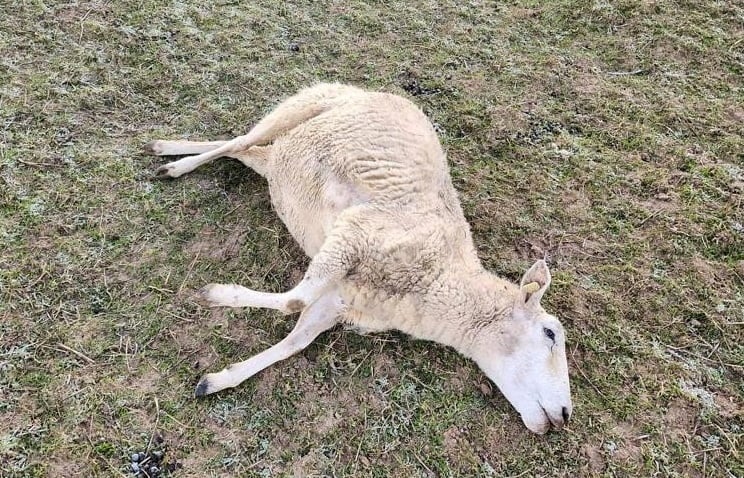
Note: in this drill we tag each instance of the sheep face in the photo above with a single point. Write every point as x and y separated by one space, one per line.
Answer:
525 356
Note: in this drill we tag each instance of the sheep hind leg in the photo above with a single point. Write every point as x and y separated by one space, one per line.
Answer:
162 147
254 157
291 113
318 317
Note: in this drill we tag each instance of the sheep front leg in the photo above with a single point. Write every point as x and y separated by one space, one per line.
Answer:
339 253
318 317
294 300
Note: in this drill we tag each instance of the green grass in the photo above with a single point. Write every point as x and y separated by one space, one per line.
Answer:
604 134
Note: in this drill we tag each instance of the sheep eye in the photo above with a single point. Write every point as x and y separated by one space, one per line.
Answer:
549 333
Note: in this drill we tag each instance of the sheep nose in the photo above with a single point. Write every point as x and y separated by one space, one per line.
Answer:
565 414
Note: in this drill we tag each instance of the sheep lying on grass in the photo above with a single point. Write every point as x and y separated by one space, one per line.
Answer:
361 181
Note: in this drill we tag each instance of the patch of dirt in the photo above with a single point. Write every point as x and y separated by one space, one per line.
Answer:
521 13
328 421
189 337
461 380
588 84
384 365
63 466
195 462
149 381
576 203
735 113
704 269
212 244
231 438
457 447
78 12
307 465
14 421
679 419
326 409
531 247
628 449
323 408
740 268
375 401
660 204
595 459
727 406
506 121
266 381
504 437
144 254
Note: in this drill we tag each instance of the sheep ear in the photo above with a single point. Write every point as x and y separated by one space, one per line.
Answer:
534 283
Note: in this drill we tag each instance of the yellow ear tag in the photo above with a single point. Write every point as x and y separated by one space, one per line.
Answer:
531 288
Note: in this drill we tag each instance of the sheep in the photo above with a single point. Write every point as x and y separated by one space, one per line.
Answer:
361 182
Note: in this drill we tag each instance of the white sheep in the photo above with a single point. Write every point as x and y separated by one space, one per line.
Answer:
361 182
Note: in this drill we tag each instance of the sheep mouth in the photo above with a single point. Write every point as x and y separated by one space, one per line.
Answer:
556 425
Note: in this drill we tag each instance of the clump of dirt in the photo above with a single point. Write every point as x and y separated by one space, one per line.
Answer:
413 86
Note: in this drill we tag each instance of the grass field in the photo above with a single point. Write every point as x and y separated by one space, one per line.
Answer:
607 135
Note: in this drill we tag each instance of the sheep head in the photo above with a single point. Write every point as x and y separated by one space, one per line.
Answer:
524 354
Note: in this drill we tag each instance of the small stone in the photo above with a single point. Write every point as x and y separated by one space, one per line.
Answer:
154 470
135 468
294 47
157 455
135 457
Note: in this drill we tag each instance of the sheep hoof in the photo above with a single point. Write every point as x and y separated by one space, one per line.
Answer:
202 388
154 147
166 171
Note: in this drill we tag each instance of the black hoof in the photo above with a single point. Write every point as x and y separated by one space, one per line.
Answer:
201 388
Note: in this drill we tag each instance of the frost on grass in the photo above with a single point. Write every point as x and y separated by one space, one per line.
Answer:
700 395
530 124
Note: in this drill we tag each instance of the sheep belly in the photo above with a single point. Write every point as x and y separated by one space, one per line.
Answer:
372 311
310 216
